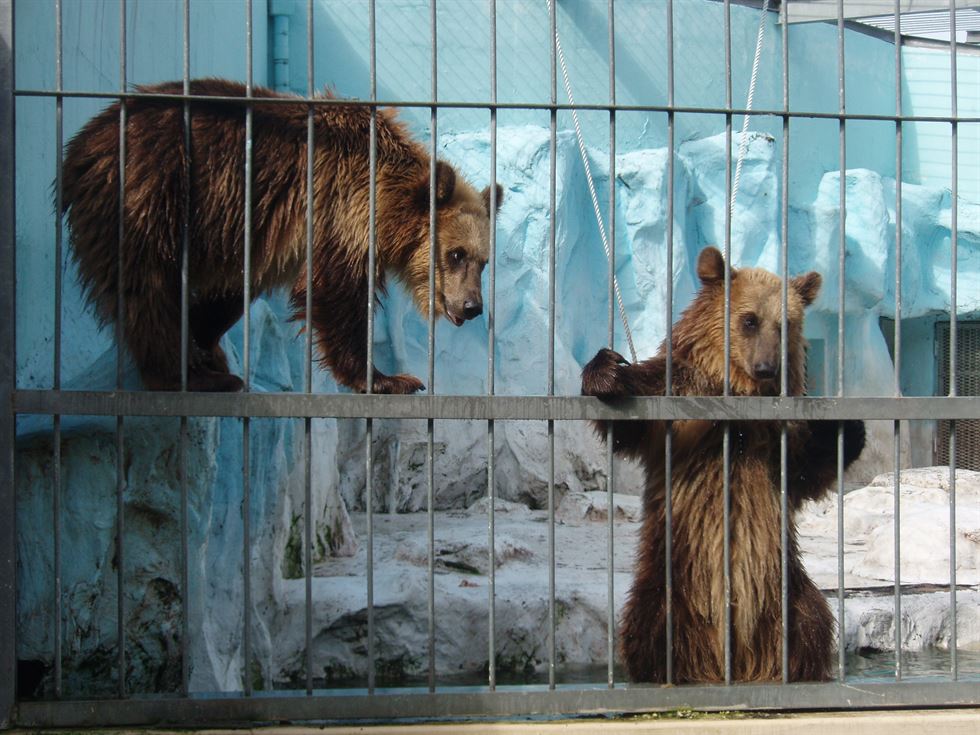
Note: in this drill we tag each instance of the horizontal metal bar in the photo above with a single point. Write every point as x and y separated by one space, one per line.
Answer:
487 105
504 702
497 407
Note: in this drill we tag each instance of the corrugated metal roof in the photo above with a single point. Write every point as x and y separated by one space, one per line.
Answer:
934 24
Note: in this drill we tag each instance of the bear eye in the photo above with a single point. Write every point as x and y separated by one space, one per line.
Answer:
750 322
456 256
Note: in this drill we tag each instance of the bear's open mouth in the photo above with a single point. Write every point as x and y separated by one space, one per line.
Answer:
451 315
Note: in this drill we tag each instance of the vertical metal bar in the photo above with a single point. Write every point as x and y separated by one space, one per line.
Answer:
552 186
184 356
8 362
246 355
247 243
369 381
784 357
668 340
954 185
120 319
430 424
898 338
611 295
841 255
308 360
491 336
726 442
56 383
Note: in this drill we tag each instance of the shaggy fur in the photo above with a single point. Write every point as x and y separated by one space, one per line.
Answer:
159 172
698 596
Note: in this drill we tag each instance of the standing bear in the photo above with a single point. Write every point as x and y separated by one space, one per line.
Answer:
167 185
697 517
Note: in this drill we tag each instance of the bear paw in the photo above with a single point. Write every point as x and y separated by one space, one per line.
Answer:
603 376
396 384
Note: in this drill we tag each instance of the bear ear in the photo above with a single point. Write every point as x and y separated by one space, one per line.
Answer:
711 266
445 186
807 286
486 198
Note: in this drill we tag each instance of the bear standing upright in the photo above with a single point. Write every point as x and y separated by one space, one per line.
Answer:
163 178
697 518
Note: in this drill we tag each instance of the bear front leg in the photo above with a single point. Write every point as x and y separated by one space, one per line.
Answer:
812 460
609 376
340 321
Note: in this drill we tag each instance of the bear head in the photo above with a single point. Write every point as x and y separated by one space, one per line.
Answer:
462 244
756 326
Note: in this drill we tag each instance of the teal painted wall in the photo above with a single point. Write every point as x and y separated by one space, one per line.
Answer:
341 61
927 74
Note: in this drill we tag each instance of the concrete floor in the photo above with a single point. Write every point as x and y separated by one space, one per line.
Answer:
911 722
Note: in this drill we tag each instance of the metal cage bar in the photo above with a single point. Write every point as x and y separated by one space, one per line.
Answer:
552 246
841 256
611 327
56 482
954 213
485 104
784 512
246 358
430 465
308 365
497 407
369 378
8 370
491 367
897 538
120 430
669 367
726 447
505 702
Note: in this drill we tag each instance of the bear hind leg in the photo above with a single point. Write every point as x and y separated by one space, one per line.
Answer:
209 319
153 334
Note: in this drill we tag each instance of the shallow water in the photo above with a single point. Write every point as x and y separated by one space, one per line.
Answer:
871 666
930 664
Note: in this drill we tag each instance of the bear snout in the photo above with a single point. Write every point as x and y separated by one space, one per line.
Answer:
460 311
472 308
765 370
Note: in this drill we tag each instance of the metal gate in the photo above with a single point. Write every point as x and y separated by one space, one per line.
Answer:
489 699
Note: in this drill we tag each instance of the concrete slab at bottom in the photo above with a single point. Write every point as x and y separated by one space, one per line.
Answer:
910 722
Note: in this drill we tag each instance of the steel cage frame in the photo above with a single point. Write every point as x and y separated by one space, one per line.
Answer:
432 701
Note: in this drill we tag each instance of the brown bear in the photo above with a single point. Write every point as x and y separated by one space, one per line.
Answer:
697 518
158 188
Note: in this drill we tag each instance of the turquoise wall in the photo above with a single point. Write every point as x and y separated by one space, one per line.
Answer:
927 74
341 61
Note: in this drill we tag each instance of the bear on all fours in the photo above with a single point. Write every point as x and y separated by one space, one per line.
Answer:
697 518
167 185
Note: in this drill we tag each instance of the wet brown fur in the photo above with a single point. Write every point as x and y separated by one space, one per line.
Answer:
698 597
155 189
